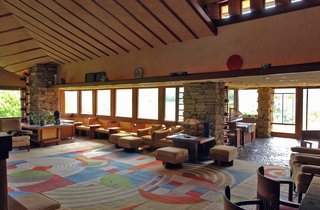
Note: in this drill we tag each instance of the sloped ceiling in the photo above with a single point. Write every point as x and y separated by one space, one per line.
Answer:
67 31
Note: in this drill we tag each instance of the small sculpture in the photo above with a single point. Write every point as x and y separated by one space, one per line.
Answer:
56 117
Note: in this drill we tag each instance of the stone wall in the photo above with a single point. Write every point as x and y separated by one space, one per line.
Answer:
264 119
43 95
206 100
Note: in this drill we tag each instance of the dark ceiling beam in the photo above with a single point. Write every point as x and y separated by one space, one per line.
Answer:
279 9
178 18
122 23
97 40
20 52
203 16
159 20
31 59
140 22
107 25
12 29
66 29
55 44
15 42
72 41
5 15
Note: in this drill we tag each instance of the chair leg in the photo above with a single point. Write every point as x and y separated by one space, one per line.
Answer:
28 148
290 191
299 197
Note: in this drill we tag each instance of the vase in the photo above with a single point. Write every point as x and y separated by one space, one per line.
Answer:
42 122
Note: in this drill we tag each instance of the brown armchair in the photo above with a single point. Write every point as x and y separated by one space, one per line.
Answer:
90 127
14 124
145 133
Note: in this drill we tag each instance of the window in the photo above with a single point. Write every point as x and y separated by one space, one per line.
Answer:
270 4
224 11
86 102
104 102
170 104
284 108
124 103
70 102
245 6
181 105
311 109
10 103
148 103
230 99
248 102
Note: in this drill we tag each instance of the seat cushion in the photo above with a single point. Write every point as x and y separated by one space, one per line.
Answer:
102 130
116 136
172 154
223 153
83 128
20 141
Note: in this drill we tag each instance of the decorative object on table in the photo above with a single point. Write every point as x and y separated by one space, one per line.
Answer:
56 115
62 81
207 131
138 73
43 117
234 62
90 77
266 65
191 125
100 77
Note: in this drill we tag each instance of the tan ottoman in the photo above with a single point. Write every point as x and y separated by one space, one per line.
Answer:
114 138
223 154
21 141
130 142
172 156
33 201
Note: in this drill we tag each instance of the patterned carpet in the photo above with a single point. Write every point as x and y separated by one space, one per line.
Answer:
104 177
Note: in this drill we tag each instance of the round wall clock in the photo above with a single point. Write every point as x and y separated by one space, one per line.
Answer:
138 72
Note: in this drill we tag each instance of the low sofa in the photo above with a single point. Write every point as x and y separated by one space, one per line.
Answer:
13 126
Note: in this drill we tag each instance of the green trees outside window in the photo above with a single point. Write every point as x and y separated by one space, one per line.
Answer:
10 104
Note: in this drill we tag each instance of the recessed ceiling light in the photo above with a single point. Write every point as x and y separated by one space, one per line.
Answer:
283 77
267 77
280 80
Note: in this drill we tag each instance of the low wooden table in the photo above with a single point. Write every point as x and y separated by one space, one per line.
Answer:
312 198
184 141
50 133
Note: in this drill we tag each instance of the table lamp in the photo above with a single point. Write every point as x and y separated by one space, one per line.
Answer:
191 125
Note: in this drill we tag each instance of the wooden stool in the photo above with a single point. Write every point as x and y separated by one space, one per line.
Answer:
223 155
172 156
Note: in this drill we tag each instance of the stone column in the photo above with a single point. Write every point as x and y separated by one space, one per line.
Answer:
206 100
265 104
43 95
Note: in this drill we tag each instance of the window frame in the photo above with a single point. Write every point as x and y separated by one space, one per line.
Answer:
158 102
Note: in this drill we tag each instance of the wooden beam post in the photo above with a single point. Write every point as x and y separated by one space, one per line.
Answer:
213 11
234 7
257 5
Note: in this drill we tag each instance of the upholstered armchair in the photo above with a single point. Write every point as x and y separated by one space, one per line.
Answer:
304 163
158 138
14 125
146 133
92 124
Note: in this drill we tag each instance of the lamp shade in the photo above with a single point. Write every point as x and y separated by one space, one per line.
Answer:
191 121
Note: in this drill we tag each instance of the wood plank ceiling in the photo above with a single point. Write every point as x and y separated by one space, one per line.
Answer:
67 31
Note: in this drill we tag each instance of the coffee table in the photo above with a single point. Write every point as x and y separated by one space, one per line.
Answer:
184 141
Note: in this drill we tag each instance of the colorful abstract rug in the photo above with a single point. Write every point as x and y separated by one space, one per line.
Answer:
109 178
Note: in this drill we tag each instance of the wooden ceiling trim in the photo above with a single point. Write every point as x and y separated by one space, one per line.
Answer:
100 31
181 21
169 19
124 24
159 20
148 20
57 57
22 15
55 21
52 41
100 41
23 61
11 49
28 64
104 26
48 48
21 57
5 15
190 18
108 20
12 29
15 42
17 53
140 22
13 36
203 16
9 22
